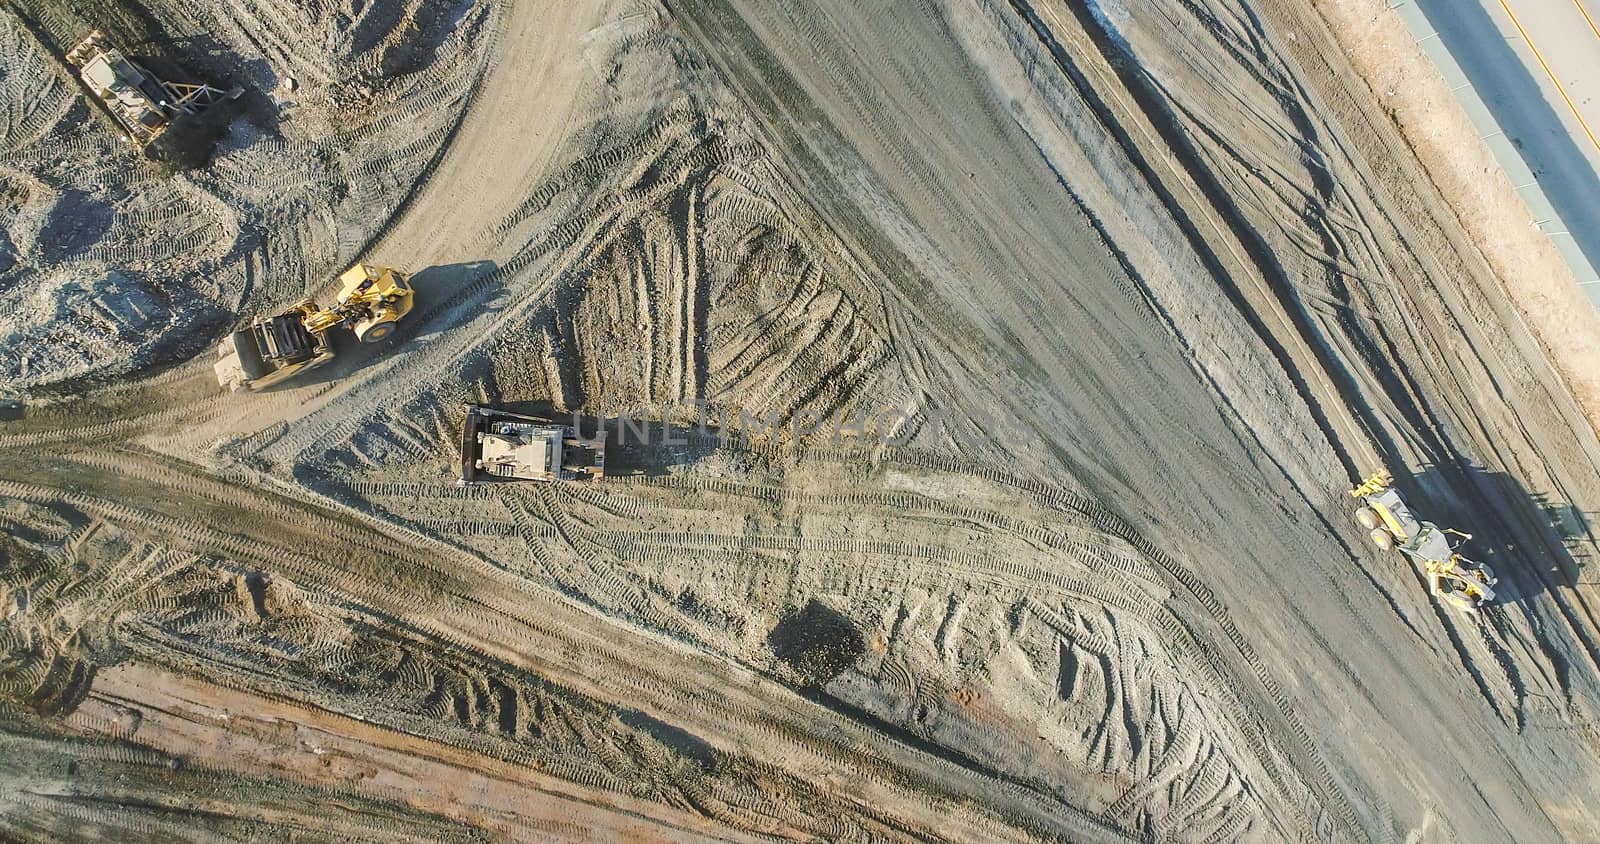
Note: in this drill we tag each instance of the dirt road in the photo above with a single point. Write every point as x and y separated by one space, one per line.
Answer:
1127 296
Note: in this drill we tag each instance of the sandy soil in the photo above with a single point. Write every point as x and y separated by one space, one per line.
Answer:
1116 301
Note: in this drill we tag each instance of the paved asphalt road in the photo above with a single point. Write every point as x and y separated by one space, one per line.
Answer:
1566 35
1536 66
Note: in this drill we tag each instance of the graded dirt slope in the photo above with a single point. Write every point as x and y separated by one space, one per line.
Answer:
1039 345
107 264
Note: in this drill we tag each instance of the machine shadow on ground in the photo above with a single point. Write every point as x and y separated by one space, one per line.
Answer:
1534 543
435 289
212 61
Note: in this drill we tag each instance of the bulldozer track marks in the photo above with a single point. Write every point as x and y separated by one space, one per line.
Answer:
1390 323
929 564
1027 648
576 517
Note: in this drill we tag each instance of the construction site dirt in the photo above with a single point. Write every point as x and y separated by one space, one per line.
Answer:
916 421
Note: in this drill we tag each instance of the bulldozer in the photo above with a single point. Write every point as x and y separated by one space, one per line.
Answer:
1455 580
497 445
275 348
142 102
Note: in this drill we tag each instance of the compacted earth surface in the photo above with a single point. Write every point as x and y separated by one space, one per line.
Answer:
982 381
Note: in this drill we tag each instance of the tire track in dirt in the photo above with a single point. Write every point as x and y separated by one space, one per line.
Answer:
930 275
489 619
654 546
523 813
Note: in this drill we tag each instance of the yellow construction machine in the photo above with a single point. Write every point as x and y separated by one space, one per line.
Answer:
142 102
1454 579
497 445
275 348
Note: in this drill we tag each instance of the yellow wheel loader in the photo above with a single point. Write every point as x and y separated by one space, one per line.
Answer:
1453 579
143 103
275 348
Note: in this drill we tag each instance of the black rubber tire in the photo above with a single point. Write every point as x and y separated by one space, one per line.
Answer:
375 332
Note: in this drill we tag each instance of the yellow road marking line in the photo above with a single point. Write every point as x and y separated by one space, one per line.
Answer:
1550 73
1585 13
